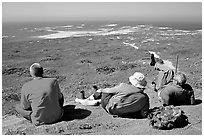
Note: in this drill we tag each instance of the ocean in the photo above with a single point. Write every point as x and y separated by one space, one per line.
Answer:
28 31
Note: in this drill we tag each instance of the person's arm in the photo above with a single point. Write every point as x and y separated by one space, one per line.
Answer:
162 67
165 101
113 90
192 97
165 97
24 100
59 93
190 91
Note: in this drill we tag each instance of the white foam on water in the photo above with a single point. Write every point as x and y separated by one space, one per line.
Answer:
164 28
111 25
148 40
105 29
100 32
6 37
120 31
65 34
79 27
66 26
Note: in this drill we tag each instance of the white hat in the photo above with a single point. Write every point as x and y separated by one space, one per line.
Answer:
138 80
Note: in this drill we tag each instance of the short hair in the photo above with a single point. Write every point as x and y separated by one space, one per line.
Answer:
36 70
180 78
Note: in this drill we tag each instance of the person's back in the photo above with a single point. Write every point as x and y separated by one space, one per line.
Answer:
41 99
43 95
177 92
175 95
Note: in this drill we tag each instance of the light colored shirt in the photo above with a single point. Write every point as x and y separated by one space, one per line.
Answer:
42 95
123 88
164 67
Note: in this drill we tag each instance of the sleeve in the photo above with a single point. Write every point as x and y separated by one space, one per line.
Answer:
192 97
24 100
165 100
57 89
190 93
162 67
165 97
114 90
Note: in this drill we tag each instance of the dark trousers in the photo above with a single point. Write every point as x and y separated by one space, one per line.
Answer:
26 113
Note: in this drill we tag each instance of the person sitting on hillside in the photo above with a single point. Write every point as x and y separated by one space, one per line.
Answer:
41 99
124 99
171 88
166 72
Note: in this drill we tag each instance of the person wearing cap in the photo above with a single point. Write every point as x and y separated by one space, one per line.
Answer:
171 88
108 97
41 100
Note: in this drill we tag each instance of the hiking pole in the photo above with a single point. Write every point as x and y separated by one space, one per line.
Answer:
176 63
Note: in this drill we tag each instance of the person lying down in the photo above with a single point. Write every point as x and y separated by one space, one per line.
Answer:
123 99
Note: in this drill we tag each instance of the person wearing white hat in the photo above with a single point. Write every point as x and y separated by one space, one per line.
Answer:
138 80
41 100
124 99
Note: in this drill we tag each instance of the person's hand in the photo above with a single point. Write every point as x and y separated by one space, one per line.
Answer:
99 90
153 86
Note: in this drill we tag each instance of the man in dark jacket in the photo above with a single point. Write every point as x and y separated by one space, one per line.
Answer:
177 92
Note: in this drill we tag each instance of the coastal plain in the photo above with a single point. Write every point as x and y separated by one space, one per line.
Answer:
78 63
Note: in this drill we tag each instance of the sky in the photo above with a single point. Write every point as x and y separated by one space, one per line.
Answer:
122 11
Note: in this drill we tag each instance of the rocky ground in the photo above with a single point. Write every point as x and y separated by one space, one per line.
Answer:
81 62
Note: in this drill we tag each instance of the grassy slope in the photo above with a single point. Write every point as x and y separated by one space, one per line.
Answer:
79 63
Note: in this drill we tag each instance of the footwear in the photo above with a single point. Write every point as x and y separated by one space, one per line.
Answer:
153 61
95 87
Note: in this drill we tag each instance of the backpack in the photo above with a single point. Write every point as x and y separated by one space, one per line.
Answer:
124 104
167 117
